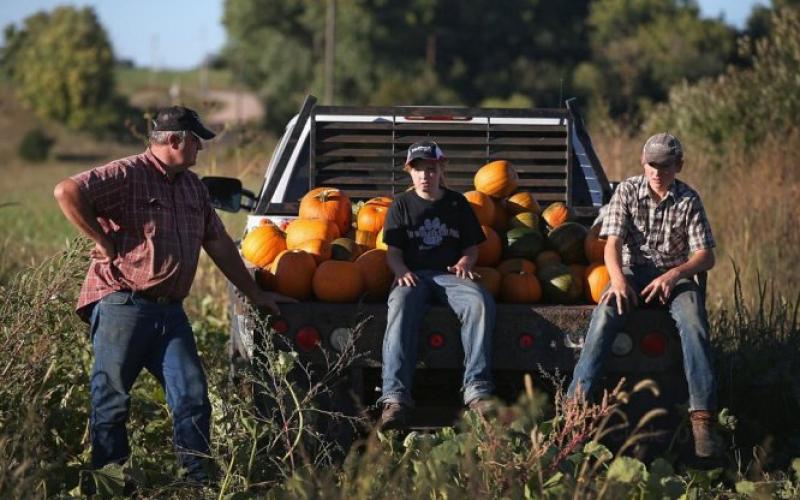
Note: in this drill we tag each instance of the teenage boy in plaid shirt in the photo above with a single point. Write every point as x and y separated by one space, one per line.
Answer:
658 239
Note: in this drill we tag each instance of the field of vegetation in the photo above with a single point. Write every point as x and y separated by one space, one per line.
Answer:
741 143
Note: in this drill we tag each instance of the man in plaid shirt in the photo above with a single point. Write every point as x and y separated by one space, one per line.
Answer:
658 239
149 216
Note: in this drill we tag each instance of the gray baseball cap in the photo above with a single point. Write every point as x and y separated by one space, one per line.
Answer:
427 150
662 150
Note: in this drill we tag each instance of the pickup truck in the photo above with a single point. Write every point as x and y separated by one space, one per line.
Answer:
361 150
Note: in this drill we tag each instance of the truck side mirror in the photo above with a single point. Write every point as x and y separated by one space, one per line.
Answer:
227 193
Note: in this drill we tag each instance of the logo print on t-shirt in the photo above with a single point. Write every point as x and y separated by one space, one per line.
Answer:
432 232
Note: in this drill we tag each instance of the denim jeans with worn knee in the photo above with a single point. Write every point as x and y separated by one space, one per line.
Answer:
687 308
130 333
407 308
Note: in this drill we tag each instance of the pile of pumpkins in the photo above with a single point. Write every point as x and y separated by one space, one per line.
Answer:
529 255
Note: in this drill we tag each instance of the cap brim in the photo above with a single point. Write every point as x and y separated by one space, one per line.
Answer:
203 132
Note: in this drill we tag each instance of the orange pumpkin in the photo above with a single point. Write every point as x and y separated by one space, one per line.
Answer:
547 257
319 249
371 217
300 230
501 216
594 246
294 270
491 249
326 203
596 280
482 205
376 274
262 244
338 281
366 239
556 214
379 244
522 202
490 279
520 288
516 265
498 179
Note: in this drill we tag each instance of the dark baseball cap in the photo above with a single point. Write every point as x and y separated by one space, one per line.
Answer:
662 150
176 118
426 150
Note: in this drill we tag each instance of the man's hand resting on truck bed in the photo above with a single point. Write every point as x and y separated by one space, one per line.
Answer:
269 300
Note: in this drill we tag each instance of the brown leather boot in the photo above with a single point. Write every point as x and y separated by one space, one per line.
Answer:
702 431
393 417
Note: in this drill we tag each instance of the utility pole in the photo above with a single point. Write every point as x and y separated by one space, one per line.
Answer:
330 46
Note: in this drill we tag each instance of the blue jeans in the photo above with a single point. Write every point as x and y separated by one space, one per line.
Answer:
130 333
407 308
687 308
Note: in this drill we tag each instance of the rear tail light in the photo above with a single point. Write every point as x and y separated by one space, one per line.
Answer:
341 338
525 341
307 338
443 118
654 344
436 340
280 325
623 344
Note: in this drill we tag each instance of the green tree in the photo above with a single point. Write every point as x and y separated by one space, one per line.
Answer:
641 48
61 63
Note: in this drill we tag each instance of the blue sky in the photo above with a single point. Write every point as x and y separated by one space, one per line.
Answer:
177 34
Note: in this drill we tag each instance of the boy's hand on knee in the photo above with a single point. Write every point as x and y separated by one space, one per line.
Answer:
407 279
623 294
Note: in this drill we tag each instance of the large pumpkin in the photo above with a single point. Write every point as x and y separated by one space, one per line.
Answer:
594 246
522 202
597 280
319 249
366 240
491 249
300 230
376 274
327 203
498 179
294 270
338 281
520 288
262 244
482 205
523 242
516 266
547 257
568 239
578 272
490 279
371 216
556 214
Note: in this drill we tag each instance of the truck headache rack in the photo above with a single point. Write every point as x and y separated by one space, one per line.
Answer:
361 150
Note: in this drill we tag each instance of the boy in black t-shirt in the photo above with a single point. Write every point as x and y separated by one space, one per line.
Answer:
433 238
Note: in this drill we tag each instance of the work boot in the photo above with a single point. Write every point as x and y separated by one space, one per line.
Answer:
482 406
702 431
393 416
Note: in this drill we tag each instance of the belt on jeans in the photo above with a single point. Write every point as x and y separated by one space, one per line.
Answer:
153 298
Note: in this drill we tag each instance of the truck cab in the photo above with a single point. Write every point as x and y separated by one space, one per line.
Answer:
361 151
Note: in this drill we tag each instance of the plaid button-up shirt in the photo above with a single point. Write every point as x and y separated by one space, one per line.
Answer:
662 234
157 225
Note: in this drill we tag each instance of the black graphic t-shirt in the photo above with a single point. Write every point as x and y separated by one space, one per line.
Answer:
431 234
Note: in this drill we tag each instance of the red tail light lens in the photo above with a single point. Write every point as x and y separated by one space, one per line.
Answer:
654 344
307 338
280 325
436 340
525 341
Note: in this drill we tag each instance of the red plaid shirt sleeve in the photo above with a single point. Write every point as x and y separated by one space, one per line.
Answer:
214 228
